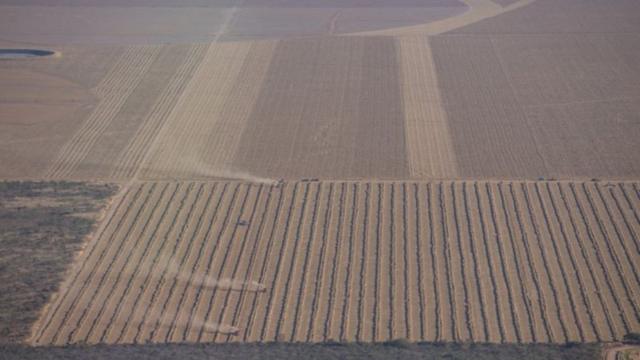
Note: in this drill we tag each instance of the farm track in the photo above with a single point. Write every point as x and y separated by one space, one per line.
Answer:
429 149
499 261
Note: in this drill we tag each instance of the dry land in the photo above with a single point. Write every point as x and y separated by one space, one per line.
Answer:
460 171
390 350
517 262
42 227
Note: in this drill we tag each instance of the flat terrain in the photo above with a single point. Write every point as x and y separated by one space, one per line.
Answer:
404 102
42 227
460 171
394 350
515 262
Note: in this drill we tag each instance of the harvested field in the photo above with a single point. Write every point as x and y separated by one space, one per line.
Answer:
554 73
474 261
538 108
113 90
339 101
94 128
483 114
204 129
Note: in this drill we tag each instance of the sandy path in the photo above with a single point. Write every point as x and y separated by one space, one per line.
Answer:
429 151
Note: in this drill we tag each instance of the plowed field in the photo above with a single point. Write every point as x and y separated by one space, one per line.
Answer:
367 261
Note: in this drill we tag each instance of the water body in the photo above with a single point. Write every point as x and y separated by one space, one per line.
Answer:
23 53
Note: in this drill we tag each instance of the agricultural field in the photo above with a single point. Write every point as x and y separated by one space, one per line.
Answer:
409 174
401 103
516 262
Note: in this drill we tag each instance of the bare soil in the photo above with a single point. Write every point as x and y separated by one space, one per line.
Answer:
516 262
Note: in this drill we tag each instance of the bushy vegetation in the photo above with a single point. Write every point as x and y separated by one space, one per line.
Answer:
387 350
42 225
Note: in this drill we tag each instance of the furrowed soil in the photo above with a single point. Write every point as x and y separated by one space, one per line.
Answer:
321 171
474 261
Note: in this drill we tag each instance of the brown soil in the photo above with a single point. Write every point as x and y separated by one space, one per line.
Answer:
357 261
